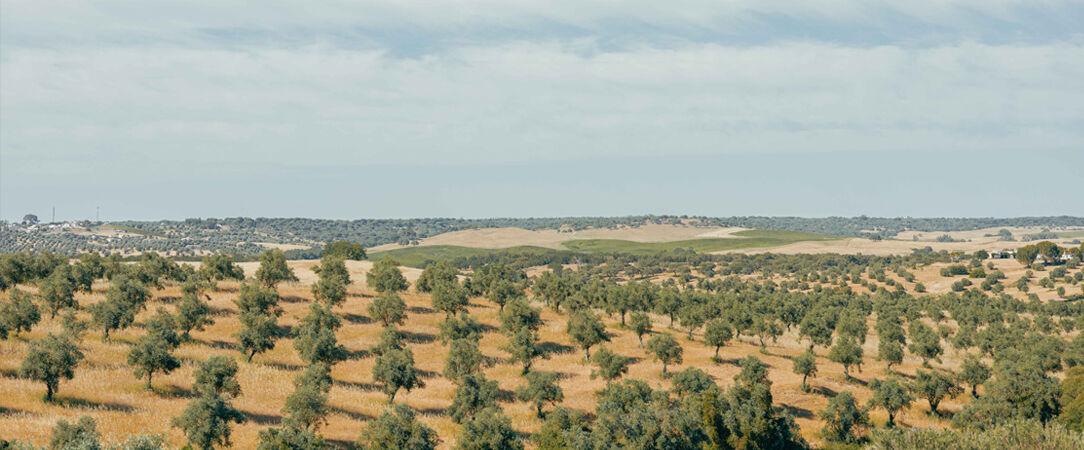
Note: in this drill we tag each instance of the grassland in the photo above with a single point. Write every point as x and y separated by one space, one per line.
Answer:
745 240
105 388
418 256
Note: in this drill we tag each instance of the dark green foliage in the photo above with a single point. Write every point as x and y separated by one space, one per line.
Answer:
438 273
934 386
206 421
847 352
717 333
665 349
397 428
449 297
390 339
462 327
395 370
218 375
563 429
306 408
631 415
50 360
1018 390
464 359
153 353
273 269
974 373
193 313
344 249
18 314
81 435
925 343
58 290
806 366
611 366
123 300
692 381
891 395
490 429
314 337
1013 434
523 348
843 419
220 266
518 314
641 325
259 313
290 438
472 394
586 330
385 276
541 388
388 308
1072 399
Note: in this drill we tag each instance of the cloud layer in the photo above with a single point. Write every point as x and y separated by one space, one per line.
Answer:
91 87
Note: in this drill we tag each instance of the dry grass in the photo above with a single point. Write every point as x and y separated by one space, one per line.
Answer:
513 237
105 388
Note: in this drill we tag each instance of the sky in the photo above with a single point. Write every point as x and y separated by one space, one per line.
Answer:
498 108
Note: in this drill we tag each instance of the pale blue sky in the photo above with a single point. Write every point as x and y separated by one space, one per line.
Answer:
479 108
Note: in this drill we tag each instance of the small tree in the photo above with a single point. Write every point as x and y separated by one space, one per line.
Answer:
641 325
925 343
892 395
386 277
717 334
692 381
524 349
806 366
79 435
462 327
890 352
519 314
436 274
934 386
388 308
306 408
843 418
501 291
611 366
330 289
220 267
665 349
464 359
449 297
490 429
344 249
314 337
20 314
586 330
397 427
193 314
218 375
390 339
58 291
541 388
152 353
974 373
846 352
395 370
273 269
472 394
206 421
49 360
259 319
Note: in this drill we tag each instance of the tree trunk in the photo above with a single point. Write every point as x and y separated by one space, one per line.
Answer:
250 355
48 391
804 376
149 375
391 397
716 351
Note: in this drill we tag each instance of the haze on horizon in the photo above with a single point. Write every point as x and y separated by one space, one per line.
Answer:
487 109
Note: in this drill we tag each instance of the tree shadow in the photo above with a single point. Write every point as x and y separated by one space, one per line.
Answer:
554 348
362 417
215 343
731 361
82 403
420 310
357 318
363 386
358 354
339 443
860 382
798 411
293 299
505 395
417 338
439 412
173 391
9 373
822 390
263 419
221 312
426 374
4 410
284 366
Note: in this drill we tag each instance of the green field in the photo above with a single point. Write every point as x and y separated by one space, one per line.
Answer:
418 256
